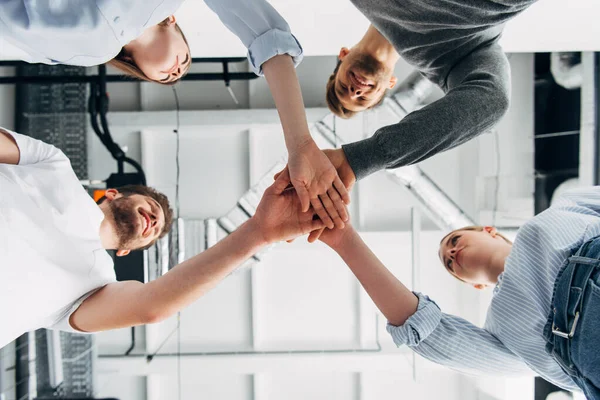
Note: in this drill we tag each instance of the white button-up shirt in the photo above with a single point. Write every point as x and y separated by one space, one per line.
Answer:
88 33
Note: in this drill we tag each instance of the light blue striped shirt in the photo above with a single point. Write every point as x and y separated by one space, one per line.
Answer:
90 33
511 341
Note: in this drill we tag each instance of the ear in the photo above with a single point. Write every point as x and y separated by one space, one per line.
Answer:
111 194
121 253
491 230
171 20
479 286
344 51
393 81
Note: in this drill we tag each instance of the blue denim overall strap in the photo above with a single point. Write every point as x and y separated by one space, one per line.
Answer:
567 303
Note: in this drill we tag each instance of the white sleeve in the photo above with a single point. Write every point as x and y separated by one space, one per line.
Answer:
33 151
62 323
261 29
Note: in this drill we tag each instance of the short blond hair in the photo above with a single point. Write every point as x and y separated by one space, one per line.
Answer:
128 67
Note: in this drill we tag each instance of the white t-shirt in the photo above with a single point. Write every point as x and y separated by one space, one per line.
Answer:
51 257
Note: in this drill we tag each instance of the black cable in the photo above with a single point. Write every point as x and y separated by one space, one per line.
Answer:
177 210
98 107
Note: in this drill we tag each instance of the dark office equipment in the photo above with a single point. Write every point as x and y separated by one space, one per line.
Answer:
55 113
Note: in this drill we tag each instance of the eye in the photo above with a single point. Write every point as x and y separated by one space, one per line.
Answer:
449 265
363 98
455 240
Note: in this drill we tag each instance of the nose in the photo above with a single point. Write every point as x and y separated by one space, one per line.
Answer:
451 253
355 92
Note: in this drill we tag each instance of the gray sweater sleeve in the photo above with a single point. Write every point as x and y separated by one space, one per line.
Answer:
478 93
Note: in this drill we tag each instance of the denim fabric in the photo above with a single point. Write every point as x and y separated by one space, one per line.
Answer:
577 292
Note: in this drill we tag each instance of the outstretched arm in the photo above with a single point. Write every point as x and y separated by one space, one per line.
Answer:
123 304
274 52
477 98
416 321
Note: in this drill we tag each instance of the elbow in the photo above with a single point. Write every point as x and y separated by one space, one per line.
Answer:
154 316
500 103
155 313
504 103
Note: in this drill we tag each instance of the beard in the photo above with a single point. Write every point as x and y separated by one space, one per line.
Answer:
370 66
125 218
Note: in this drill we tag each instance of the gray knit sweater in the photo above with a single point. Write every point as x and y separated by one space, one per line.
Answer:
454 44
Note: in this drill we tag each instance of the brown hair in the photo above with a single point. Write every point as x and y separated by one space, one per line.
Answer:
476 228
126 65
160 198
334 104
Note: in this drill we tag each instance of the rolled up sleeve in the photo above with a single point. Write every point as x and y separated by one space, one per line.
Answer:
456 343
261 29
419 326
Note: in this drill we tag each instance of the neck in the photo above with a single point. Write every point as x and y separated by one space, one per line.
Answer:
141 42
378 47
107 233
497 262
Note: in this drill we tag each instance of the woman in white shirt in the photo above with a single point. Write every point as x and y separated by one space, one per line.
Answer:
141 38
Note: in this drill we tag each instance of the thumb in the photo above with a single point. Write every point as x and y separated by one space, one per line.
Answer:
281 182
316 234
316 226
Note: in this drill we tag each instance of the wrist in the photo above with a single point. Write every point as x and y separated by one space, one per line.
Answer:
301 143
346 241
253 229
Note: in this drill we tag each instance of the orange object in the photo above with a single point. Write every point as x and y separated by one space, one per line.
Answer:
98 193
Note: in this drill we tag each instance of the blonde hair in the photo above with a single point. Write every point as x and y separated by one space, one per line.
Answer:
127 66
476 228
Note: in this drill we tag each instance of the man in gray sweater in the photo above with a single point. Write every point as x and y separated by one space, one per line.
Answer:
453 43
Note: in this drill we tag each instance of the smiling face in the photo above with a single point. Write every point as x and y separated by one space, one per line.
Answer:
361 80
137 220
472 255
161 52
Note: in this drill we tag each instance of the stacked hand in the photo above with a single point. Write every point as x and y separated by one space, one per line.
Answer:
280 214
317 183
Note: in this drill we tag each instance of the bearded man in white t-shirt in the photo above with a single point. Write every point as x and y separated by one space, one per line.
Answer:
54 269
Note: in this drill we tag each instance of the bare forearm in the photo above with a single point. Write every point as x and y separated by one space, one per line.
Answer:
187 282
285 88
393 299
191 279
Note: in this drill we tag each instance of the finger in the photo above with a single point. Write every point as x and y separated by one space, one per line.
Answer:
279 173
290 240
321 212
332 211
338 203
315 235
303 196
281 183
339 186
